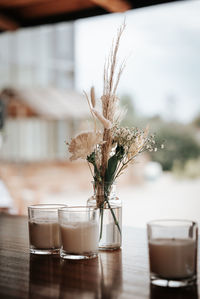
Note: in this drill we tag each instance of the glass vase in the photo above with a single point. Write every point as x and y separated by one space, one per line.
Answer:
110 216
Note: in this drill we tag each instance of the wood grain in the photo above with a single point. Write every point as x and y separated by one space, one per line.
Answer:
18 3
114 5
7 24
119 274
53 7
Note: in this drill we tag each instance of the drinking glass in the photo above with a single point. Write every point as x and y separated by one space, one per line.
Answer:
79 232
44 235
172 252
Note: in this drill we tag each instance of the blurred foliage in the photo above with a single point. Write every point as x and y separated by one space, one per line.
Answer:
196 121
191 169
180 145
180 141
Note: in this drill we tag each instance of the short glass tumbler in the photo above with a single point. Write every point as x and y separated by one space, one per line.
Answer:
79 232
172 252
44 235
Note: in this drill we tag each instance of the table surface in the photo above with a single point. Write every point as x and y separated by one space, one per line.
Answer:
119 274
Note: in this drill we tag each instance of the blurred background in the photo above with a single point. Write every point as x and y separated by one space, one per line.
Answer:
44 70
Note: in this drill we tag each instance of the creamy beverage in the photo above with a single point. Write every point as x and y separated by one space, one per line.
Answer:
172 258
79 237
44 234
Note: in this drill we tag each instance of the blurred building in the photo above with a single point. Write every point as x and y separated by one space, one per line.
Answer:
38 56
39 121
39 108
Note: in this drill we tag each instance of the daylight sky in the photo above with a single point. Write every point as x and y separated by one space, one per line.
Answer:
162 47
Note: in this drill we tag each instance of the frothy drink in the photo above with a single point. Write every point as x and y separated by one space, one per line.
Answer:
44 234
79 237
173 258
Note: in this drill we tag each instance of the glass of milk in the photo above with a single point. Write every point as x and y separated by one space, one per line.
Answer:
44 235
172 252
79 232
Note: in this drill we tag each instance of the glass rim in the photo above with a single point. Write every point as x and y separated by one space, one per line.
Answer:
77 209
164 222
46 206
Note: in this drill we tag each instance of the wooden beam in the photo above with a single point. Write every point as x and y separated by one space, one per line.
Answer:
18 3
56 11
113 5
54 7
64 17
7 23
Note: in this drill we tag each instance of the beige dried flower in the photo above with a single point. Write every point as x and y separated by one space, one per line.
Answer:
133 151
105 122
84 144
92 96
139 143
119 114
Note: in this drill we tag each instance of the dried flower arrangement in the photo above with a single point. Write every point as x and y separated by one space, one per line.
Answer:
109 151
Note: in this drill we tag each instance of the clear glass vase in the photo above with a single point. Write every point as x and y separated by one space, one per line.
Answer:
110 217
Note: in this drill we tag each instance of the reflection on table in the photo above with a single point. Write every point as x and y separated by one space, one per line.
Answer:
44 276
190 292
95 278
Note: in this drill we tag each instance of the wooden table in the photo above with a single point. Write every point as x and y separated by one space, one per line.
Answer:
119 274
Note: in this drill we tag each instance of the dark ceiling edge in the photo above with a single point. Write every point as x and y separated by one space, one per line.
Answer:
64 17
10 16
146 3
92 12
